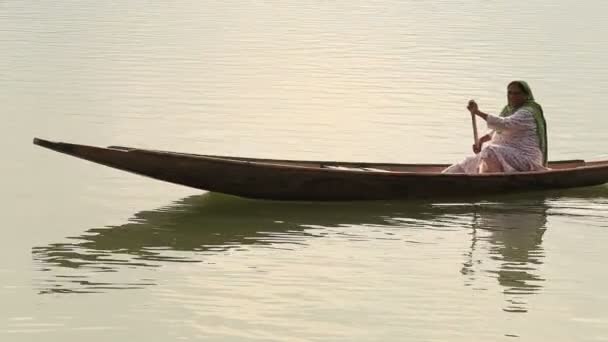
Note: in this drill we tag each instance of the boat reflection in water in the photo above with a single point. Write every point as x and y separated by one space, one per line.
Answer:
191 229
505 237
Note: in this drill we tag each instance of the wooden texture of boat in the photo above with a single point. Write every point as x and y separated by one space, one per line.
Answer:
327 180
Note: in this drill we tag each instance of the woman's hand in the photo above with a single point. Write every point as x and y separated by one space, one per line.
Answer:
477 147
472 107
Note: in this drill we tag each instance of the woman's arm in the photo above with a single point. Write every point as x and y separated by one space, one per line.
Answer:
521 119
485 138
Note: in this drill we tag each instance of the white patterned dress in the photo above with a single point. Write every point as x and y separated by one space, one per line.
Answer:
514 145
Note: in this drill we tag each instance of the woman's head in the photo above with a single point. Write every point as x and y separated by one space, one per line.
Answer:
518 93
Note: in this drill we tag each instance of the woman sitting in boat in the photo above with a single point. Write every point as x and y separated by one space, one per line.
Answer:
518 140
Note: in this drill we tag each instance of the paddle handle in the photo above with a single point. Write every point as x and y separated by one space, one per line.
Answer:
475 134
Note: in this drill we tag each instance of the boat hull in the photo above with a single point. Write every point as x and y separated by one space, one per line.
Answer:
322 181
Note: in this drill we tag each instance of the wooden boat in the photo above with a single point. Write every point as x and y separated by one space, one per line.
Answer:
327 180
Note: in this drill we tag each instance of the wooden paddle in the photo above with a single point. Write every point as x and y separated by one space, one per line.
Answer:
475 135
474 122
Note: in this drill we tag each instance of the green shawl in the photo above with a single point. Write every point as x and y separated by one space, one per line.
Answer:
537 111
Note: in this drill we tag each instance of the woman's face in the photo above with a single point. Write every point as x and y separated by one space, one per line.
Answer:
516 96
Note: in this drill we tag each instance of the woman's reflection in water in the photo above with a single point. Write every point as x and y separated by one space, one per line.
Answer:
511 233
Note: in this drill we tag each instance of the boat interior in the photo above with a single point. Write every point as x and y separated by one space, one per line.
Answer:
359 166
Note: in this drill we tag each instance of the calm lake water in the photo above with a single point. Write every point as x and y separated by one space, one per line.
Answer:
95 254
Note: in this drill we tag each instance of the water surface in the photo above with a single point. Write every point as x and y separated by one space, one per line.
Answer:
94 254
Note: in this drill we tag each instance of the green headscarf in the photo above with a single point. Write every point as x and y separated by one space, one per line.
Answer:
537 111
